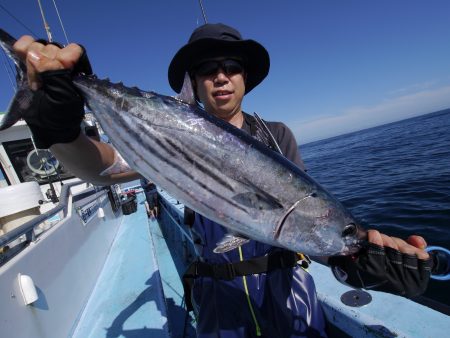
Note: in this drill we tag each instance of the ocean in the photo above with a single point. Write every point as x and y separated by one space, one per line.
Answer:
394 178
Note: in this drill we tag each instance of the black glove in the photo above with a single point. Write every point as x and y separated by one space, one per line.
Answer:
58 107
383 269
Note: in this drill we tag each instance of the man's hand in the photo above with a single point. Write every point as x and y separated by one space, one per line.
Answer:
41 57
57 107
387 264
414 245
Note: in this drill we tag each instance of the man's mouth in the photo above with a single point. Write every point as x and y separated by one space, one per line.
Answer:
222 93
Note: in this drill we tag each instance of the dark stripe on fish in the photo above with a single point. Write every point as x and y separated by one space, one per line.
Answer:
204 169
177 166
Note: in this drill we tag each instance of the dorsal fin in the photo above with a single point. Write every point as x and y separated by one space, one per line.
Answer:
187 91
263 127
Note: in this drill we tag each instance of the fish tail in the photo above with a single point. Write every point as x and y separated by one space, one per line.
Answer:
22 99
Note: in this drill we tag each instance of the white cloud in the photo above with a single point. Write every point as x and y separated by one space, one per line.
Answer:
414 88
357 118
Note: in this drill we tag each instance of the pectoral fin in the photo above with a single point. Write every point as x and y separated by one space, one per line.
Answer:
230 242
258 200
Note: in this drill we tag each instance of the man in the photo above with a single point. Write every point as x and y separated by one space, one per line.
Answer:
267 293
151 198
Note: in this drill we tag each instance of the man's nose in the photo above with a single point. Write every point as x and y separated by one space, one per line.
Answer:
221 76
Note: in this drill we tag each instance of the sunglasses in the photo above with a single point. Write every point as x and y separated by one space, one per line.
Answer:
211 67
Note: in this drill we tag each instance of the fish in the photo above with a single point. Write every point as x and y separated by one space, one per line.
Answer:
211 166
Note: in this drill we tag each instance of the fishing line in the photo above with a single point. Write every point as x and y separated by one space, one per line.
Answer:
9 71
60 22
203 11
10 64
18 21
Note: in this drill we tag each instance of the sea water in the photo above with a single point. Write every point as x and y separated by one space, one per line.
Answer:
394 178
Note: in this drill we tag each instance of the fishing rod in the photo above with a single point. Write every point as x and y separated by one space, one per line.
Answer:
46 25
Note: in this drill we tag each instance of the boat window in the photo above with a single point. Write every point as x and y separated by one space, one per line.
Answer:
33 164
4 181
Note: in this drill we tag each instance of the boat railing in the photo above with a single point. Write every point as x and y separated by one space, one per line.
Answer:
26 233
177 234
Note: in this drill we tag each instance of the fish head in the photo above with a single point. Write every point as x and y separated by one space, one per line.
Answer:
317 224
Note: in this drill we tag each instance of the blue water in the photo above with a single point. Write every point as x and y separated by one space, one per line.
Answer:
394 178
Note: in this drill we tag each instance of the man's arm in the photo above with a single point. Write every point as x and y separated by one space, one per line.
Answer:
61 109
87 158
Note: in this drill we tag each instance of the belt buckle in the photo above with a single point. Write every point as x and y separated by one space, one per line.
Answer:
303 260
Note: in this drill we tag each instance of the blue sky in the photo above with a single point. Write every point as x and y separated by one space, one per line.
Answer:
336 65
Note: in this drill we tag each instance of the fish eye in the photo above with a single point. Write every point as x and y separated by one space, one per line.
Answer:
350 230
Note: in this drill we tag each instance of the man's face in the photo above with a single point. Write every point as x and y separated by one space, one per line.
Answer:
222 88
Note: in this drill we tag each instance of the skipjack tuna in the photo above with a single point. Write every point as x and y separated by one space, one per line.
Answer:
212 167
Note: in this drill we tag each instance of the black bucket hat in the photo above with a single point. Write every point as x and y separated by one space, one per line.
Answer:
212 40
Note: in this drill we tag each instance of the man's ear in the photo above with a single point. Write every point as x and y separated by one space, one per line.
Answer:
194 88
194 84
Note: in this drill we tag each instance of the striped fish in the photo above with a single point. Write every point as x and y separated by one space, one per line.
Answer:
212 167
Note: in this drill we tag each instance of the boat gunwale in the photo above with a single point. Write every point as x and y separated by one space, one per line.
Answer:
28 227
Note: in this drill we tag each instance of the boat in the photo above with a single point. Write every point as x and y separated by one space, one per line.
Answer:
88 262
55 233
78 260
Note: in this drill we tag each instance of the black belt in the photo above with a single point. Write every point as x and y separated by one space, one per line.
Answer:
228 271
